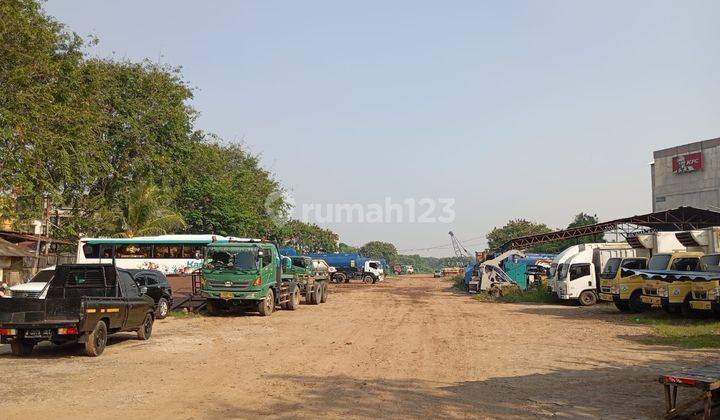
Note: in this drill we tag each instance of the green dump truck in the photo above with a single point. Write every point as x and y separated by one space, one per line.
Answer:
251 275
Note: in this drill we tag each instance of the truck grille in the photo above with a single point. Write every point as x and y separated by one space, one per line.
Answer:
605 289
650 292
700 295
222 285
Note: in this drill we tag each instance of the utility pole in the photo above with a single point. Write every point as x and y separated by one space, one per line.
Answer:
43 231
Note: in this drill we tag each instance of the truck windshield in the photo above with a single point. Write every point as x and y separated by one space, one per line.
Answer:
711 262
685 264
611 268
237 259
659 262
562 271
299 262
553 270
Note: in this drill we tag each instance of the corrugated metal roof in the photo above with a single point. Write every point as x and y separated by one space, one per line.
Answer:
8 249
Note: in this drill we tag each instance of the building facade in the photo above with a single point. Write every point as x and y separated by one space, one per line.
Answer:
687 175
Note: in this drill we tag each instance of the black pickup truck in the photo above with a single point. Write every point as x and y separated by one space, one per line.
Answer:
84 303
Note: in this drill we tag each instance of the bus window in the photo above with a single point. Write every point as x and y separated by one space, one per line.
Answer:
133 251
167 251
91 251
106 251
192 251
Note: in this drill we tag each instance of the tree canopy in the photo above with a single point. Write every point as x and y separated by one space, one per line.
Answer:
96 135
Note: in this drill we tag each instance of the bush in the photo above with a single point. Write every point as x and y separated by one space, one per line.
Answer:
538 295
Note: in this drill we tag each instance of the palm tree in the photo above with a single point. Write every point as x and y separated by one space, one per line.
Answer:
147 212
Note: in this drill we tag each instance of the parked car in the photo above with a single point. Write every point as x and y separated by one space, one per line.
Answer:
437 273
158 288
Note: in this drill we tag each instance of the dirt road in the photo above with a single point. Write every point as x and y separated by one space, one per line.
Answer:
408 348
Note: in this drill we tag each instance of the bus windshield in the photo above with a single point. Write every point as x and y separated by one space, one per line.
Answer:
232 259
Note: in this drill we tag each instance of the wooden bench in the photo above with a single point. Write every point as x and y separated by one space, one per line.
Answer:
706 379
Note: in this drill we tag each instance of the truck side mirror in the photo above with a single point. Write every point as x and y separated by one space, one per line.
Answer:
288 263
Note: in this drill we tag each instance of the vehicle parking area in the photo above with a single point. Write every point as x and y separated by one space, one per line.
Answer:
409 347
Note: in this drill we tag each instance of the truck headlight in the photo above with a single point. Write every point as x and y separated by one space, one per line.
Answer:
615 290
662 292
713 294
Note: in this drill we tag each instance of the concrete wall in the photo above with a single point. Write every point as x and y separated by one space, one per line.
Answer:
697 189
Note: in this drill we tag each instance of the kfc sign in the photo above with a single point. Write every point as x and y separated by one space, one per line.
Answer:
687 163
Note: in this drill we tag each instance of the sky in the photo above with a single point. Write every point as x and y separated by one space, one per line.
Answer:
514 109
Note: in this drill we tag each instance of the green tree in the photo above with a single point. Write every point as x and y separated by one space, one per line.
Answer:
147 212
378 249
307 237
345 248
514 229
224 190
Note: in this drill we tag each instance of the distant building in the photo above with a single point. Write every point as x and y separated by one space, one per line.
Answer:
687 175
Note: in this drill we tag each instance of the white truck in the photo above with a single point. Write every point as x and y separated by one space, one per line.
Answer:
578 277
559 263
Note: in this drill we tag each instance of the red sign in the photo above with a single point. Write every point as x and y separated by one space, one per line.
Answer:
687 163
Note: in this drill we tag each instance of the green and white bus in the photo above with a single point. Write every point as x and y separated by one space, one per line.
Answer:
170 254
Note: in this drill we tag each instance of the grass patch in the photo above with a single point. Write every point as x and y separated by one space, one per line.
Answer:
538 295
184 314
682 332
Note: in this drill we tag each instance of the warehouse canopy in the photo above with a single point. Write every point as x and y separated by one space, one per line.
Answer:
681 218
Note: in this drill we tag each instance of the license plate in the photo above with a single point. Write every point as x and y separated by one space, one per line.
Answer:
38 334
606 296
655 301
227 295
701 304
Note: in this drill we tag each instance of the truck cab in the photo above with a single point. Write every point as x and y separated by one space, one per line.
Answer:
576 278
706 288
242 274
615 271
673 294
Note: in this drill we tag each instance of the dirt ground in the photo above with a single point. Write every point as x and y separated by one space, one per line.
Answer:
411 347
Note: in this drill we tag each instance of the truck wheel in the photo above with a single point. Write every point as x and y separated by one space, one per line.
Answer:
145 330
22 347
294 301
340 278
97 340
163 307
368 279
323 299
267 305
622 305
211 308
637 305
316 294
588 298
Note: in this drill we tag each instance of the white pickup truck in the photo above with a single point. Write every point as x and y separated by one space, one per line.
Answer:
35 287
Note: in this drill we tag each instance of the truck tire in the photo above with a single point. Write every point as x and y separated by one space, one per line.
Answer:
316 294
622 305
21 347
267 305
368 279
588 298
323 299
163 308
145 330
97 340
211 308
294 301
340 278
636 305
